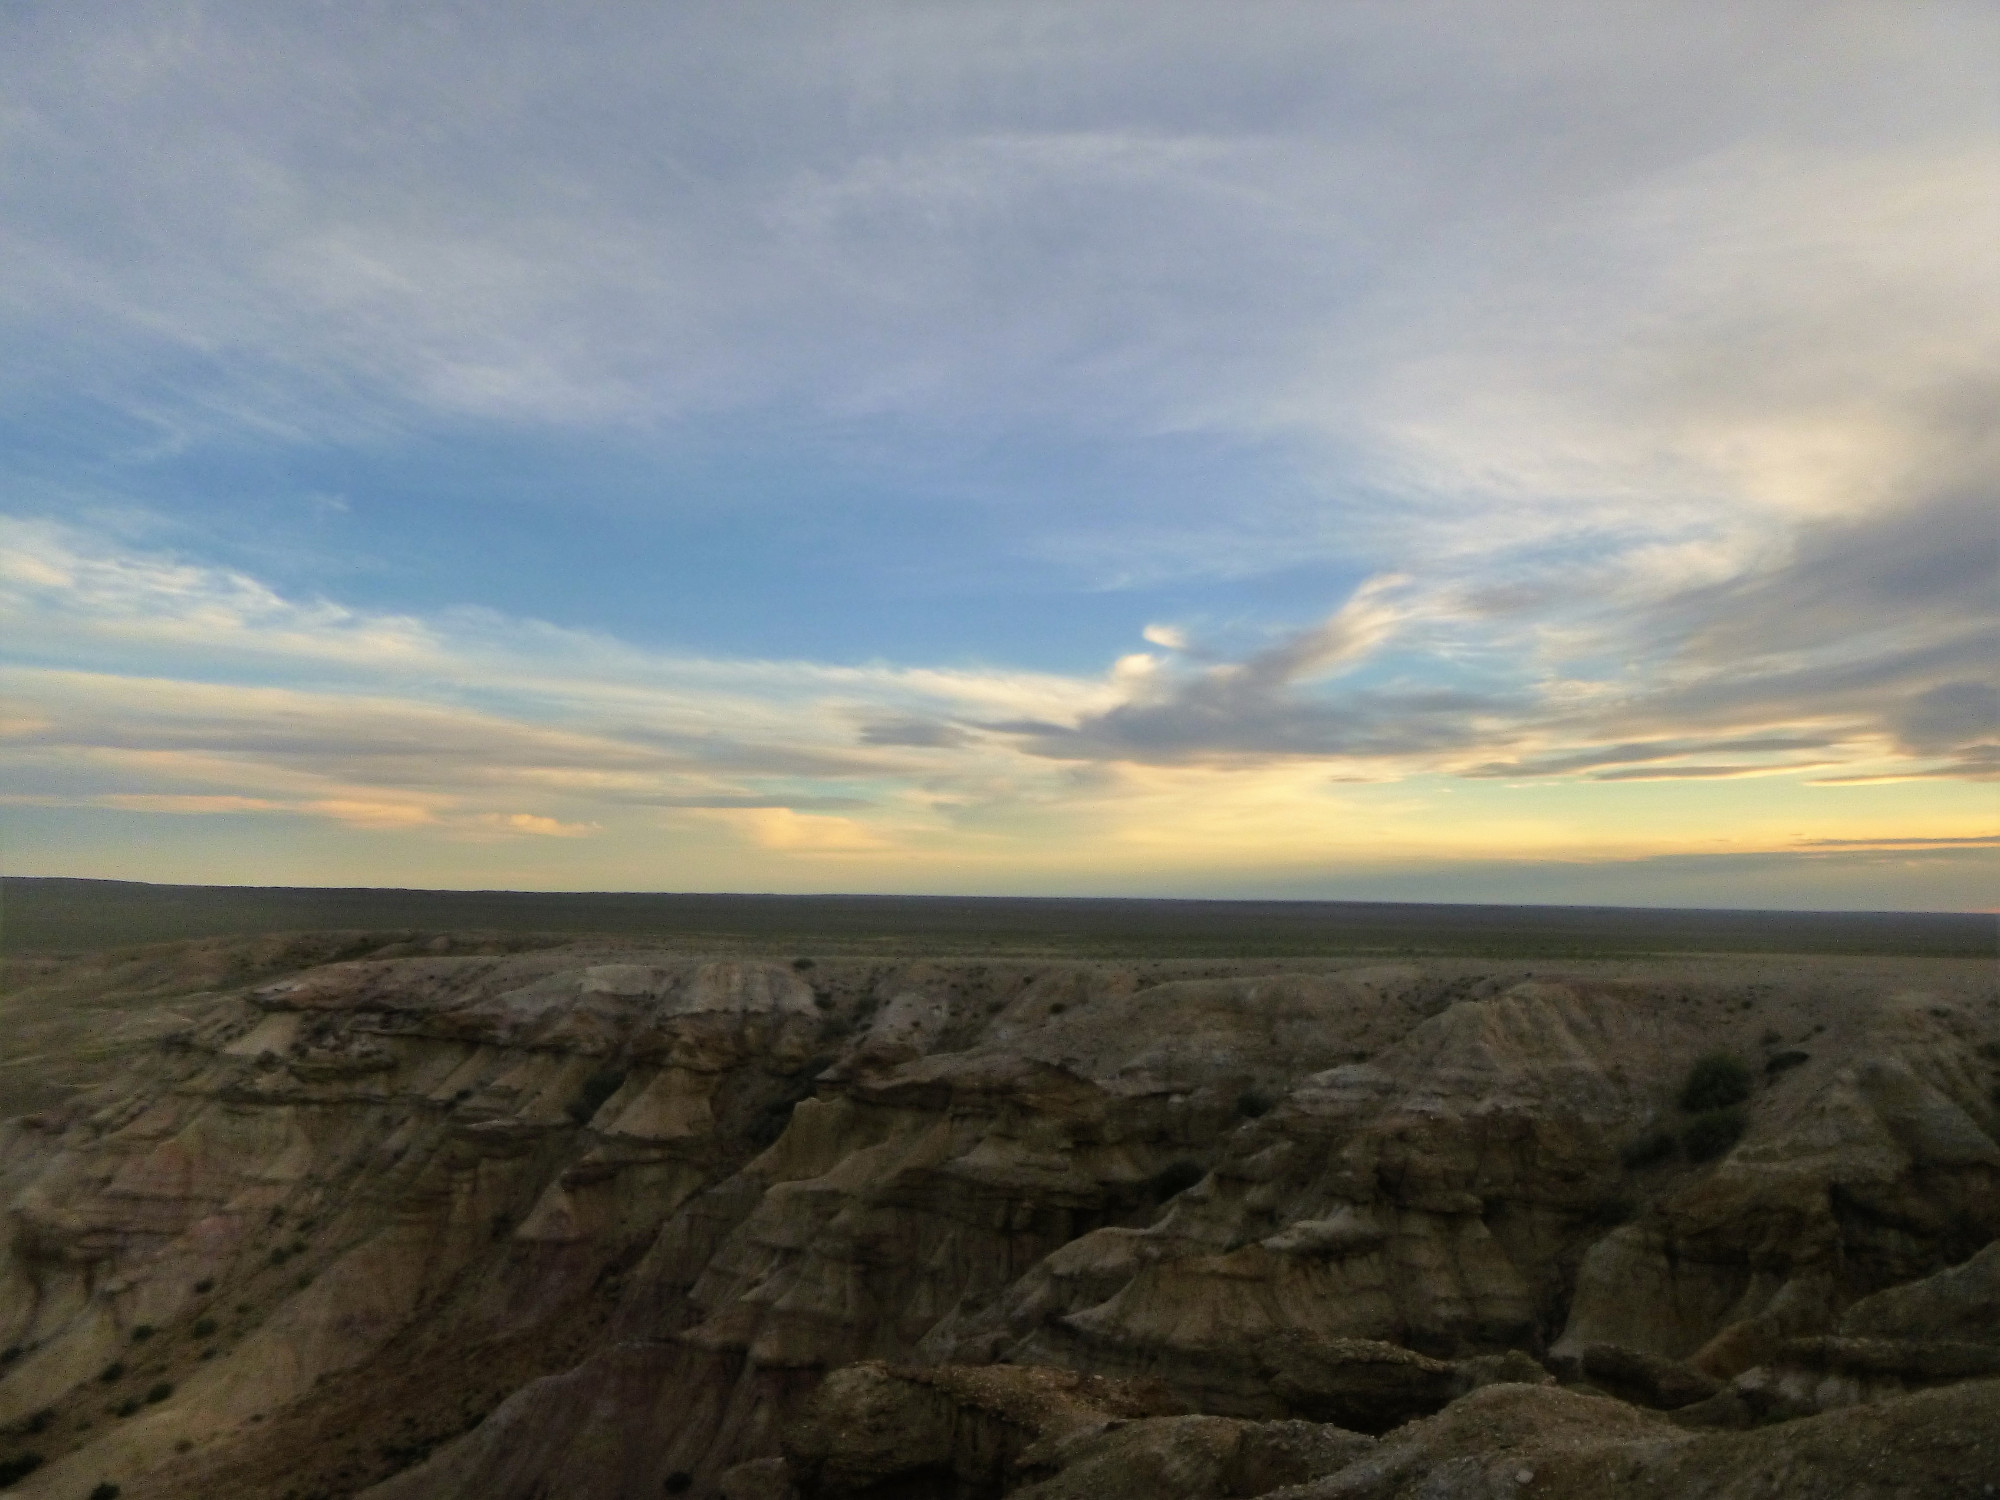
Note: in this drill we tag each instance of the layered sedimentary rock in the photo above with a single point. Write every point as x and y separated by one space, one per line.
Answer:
602 1222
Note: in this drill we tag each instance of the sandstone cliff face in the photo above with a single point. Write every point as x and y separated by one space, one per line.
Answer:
599 1221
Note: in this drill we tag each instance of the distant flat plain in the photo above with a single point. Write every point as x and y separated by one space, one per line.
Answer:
50 916
94 972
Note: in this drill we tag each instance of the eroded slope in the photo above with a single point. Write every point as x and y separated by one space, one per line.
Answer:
596 1221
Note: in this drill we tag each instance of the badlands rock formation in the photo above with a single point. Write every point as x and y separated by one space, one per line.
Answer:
598 1221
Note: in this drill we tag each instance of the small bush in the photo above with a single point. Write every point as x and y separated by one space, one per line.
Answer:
11 1353
1715 1082
18 1467
802 964
126 1408
769 1123
143 1332
42 1420
1253 1104
1175 1177
204 1286
1648 1150
280 1255
597 1088
404 1455
1784 1062
156 1394
1615 1210
1710 1134
679 1482
106 1491
203 1328
113 1372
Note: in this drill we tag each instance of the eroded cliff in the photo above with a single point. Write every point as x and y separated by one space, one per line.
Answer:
599 1221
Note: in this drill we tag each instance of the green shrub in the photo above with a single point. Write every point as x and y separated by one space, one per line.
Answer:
1614 1210
159 1393
204 1286
106 1491
42 1420
11 1353
1711 1133
404 1455
18 1467
115 1371
126 1408
597 1088
1715 1082
203 1328
769 1123
1647 1150
143 1332
1175 1177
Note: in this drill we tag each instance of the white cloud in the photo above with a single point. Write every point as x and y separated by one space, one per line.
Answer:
1587 255
757 773
1651 360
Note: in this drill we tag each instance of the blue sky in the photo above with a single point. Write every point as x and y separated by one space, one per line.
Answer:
1440 451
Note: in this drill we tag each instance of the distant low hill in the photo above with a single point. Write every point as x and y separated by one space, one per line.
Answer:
49 915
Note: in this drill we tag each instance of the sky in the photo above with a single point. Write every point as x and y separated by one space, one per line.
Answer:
1536 452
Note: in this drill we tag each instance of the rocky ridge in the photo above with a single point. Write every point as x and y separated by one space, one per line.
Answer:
599 1221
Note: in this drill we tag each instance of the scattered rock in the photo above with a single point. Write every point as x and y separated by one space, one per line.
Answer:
1650 1380
1358 1383
871 1427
